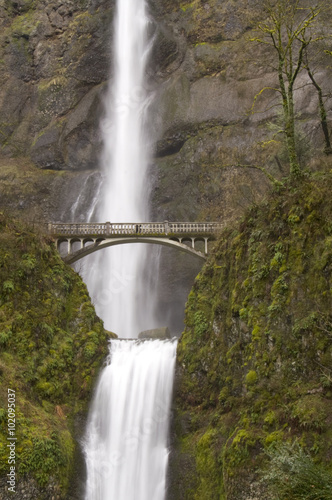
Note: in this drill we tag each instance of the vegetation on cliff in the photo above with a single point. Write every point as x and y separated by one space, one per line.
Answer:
255 359
51 346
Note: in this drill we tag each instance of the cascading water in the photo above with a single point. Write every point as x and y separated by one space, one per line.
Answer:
119 291
126 440
126 449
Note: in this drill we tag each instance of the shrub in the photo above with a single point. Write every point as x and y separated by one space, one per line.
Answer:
292 474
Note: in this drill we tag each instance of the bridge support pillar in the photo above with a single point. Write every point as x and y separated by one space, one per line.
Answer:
206 245
193 243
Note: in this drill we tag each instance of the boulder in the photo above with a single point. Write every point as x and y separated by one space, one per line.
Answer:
155 333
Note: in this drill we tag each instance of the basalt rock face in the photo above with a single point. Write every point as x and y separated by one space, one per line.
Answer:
202 111
203 69
54 59
204 73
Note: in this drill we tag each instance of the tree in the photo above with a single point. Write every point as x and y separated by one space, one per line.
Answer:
288 29
322 109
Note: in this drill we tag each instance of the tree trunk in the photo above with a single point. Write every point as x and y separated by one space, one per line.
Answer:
295 169
322 112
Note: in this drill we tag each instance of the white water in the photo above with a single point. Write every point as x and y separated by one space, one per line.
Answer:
84 207
116 277
127 460
126 445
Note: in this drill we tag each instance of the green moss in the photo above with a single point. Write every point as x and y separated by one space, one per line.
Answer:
187 6
24 25
256 353
52 344
311 411
274 437
207 465
251 378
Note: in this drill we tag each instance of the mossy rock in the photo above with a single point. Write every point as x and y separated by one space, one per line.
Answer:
256 354
52 347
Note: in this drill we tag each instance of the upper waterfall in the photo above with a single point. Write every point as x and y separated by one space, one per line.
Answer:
125 154
117 279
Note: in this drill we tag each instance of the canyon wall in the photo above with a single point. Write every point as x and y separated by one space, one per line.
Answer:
204 74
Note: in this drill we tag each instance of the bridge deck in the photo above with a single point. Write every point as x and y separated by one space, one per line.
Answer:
110 230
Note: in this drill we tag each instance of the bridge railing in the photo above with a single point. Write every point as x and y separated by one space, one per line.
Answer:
145 228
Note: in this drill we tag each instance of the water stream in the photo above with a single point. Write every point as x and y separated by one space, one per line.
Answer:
119 292
126 445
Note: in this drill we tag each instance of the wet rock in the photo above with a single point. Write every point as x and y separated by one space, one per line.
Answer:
155 333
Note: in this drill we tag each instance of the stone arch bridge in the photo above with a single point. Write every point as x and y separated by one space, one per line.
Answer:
75 241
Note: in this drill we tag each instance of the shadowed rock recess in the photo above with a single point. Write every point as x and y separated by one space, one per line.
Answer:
255 357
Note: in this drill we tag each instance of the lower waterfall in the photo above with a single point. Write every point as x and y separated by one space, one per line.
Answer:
126 445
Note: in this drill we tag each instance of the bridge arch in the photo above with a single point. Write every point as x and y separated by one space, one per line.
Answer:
99 244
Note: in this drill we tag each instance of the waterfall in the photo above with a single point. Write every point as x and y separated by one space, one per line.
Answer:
127 460
126 440
116 277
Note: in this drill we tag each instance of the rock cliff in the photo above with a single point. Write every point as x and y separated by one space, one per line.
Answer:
54 57
52 345
254 361
204 73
